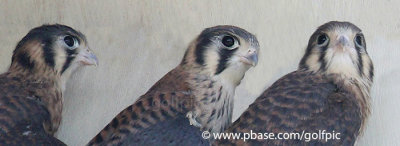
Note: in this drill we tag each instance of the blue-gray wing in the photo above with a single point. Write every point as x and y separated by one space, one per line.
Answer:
174 131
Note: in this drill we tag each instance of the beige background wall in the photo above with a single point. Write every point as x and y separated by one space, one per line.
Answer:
138 41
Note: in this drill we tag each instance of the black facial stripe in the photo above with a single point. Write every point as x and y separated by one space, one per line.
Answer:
70 58
360 63
46 35
322 60
224 56
25 61
302 63
371 72
48 52
200 49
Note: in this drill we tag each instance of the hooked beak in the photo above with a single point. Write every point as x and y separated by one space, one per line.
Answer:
251 57
343 42
87 57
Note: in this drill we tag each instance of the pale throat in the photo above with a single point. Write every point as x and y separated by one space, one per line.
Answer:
345 70
214 103
213 108
233 75
343 65
67 74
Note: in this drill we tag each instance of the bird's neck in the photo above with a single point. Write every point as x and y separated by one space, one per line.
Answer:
360 87
46 90
214 102
37 72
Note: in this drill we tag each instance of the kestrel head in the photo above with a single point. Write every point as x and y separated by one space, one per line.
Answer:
338 48
224 51
52 49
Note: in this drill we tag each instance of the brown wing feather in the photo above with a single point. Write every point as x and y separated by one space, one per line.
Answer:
168 97
296 102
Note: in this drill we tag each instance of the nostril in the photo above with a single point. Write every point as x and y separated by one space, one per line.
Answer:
250 51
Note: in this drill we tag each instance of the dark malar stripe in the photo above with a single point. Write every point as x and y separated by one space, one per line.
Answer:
360 62
304 59
371 72
200 49
224 55
322 60
70 58
48 53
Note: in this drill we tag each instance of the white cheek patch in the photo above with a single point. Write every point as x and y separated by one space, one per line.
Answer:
313 61
211 58
60 58
235 72
234 61
67 74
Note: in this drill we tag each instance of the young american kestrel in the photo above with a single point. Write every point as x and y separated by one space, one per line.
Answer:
31 89
330 91
198 92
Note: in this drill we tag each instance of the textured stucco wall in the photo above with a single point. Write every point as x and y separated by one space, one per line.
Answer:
138 41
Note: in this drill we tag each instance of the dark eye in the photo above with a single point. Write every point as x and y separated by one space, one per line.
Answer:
71 42
228 41
322 39
359 40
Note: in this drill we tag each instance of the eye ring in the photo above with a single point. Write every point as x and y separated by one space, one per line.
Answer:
358 40
322 39
229 42
71 42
